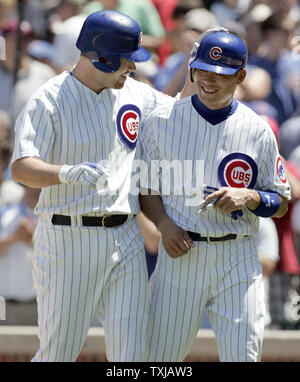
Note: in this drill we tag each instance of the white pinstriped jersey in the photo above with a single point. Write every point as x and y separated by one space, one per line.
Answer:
67 123
179 132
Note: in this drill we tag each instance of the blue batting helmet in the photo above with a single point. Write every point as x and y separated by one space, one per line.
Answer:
108 35
218 51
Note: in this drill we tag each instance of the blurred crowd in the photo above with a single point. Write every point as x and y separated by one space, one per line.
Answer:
42 45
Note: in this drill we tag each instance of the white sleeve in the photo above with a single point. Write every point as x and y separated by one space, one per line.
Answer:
153 100
150 155
271 174
34 131
266 240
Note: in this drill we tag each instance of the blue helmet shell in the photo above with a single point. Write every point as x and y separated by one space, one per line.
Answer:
108 35
219 52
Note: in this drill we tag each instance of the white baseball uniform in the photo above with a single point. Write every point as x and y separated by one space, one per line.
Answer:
238 149
81 270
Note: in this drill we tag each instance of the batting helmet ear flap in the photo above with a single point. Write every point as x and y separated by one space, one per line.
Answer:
197 43
218 51
107 63
108 35
192 74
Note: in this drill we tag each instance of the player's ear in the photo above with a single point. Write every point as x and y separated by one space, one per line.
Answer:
241 75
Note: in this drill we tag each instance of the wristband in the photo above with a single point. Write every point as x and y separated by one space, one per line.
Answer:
269 204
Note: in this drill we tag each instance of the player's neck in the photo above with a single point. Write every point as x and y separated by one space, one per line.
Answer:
213 116
86 74
215 106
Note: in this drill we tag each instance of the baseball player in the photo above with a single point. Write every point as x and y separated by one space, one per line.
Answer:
207 257
76 139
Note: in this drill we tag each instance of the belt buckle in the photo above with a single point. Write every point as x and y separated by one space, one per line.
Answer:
208 240
103 220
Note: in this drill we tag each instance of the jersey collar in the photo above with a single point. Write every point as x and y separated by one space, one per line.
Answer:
86 90
213 116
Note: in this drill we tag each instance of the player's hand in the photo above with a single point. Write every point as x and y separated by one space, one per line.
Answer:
88 174
231 199
204 205
175 239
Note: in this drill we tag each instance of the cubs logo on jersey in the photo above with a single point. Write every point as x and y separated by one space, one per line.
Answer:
128 121
280 170
215 52
237 170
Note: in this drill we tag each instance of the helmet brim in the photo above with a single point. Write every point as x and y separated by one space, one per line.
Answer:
214 68
139 55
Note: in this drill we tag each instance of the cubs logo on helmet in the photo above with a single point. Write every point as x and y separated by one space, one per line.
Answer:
237 170
280 170
218 51
215 52
128 121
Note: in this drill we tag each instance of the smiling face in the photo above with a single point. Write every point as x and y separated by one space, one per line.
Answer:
116 80
214 90
97 80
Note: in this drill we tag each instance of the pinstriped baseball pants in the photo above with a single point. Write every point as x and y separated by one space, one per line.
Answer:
223 278
82 271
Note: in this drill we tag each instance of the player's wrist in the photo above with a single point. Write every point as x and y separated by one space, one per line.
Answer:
163 222
63 172
269 204
253 200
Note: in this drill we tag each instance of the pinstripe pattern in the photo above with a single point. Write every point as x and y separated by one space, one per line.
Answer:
223 278
210 143
111 284
65 122
80 271
231 290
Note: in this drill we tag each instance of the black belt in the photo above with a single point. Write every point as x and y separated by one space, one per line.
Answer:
14 301
197 237
106 221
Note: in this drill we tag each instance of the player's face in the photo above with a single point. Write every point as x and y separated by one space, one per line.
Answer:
216 90
117 79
